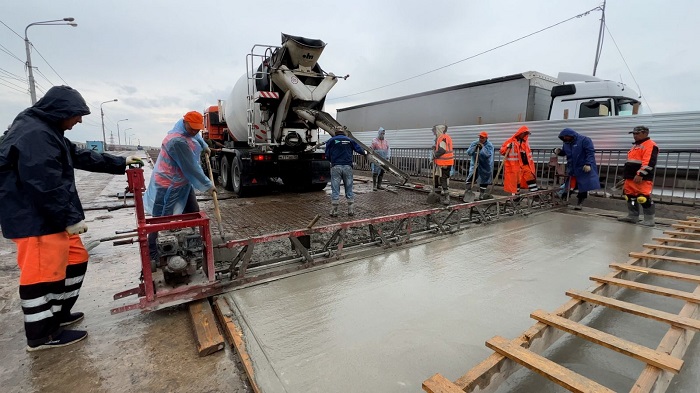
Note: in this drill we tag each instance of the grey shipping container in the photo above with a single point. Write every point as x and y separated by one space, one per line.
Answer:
512 98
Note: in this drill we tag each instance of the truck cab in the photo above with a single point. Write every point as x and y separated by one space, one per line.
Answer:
581 96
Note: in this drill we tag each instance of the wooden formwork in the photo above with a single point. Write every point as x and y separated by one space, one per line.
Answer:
662 363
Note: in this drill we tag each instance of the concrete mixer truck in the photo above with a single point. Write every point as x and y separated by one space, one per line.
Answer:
268 129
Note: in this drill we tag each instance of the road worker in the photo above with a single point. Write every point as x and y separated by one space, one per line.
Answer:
443 160
42 214
484 149
339 152
580 164
177 173
380 146
519 166
639 176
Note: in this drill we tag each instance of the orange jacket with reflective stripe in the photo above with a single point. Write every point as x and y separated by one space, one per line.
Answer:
447 159
641 160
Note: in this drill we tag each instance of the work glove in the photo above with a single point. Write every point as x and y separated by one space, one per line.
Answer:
586 168
77 229
557 150
479 146
207 151
212 190
131 160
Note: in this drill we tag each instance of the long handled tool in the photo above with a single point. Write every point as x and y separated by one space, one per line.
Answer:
469 195
499 169
216 200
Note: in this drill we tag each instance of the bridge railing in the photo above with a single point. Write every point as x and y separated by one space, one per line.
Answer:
676 179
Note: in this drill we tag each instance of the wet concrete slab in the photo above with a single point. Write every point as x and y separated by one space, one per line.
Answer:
389 322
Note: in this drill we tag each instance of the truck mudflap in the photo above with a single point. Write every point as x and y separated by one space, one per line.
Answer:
326 122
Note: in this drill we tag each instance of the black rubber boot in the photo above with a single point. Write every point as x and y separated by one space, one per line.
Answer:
632 211
649 213
374 182
379 181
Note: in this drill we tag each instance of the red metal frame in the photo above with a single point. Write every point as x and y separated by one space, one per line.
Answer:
151 294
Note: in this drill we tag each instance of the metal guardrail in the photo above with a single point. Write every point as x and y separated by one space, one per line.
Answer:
676 179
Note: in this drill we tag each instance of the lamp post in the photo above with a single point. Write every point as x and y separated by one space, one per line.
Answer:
27 44
102 115
125 136
119 140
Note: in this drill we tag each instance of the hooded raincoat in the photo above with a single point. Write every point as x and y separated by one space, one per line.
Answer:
37 180
519 168
176 172
485 169
578 153
381 147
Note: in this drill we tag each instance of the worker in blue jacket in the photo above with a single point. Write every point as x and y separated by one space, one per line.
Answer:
484 149
339 152
580 163
41 212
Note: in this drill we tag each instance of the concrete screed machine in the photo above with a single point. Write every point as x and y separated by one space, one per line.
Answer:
270 132
268 129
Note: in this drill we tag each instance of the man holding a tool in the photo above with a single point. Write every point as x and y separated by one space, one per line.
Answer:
519 166
177 173
580 164
639 176
42 214
443 160
481 150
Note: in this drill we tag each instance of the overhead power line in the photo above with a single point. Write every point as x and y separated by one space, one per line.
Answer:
47 63
20 37
3 83
7 74
628 68
9 53
470 57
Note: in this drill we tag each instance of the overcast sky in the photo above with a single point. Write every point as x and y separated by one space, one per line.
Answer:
161 58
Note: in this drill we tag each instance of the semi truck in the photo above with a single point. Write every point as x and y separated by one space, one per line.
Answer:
267 131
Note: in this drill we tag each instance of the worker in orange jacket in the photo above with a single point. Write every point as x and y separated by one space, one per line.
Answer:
519 167
639 176
444 159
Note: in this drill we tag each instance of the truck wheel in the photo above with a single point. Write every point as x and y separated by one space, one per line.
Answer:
226 180
236 178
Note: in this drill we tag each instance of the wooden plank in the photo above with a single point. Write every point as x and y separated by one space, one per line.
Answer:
206 331
635 309
223 311
656 290
675 240
656 272
681 226
680 233
672 248
439 384
639 352
675 342
685 261
689 222
554 372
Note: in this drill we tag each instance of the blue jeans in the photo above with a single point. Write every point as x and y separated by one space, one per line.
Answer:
344 173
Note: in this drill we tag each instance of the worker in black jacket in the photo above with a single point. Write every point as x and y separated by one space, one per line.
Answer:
42 214
339 152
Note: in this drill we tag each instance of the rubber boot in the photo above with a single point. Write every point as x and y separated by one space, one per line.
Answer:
379 181
334 210
649 213
579 204
351 209
466 190
632 212
445 198
374 182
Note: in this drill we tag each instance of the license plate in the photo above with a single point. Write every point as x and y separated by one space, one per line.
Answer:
288 156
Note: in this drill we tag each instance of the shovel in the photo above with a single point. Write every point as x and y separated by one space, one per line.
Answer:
500 167
469 195
216 200
433 197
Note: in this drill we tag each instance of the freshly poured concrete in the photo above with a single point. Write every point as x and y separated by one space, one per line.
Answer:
387 323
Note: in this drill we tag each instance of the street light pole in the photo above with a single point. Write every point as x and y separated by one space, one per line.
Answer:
102 116
119 141
27 45
125 135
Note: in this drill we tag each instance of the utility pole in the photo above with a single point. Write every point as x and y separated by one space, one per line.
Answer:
27 46
102 116
601 34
